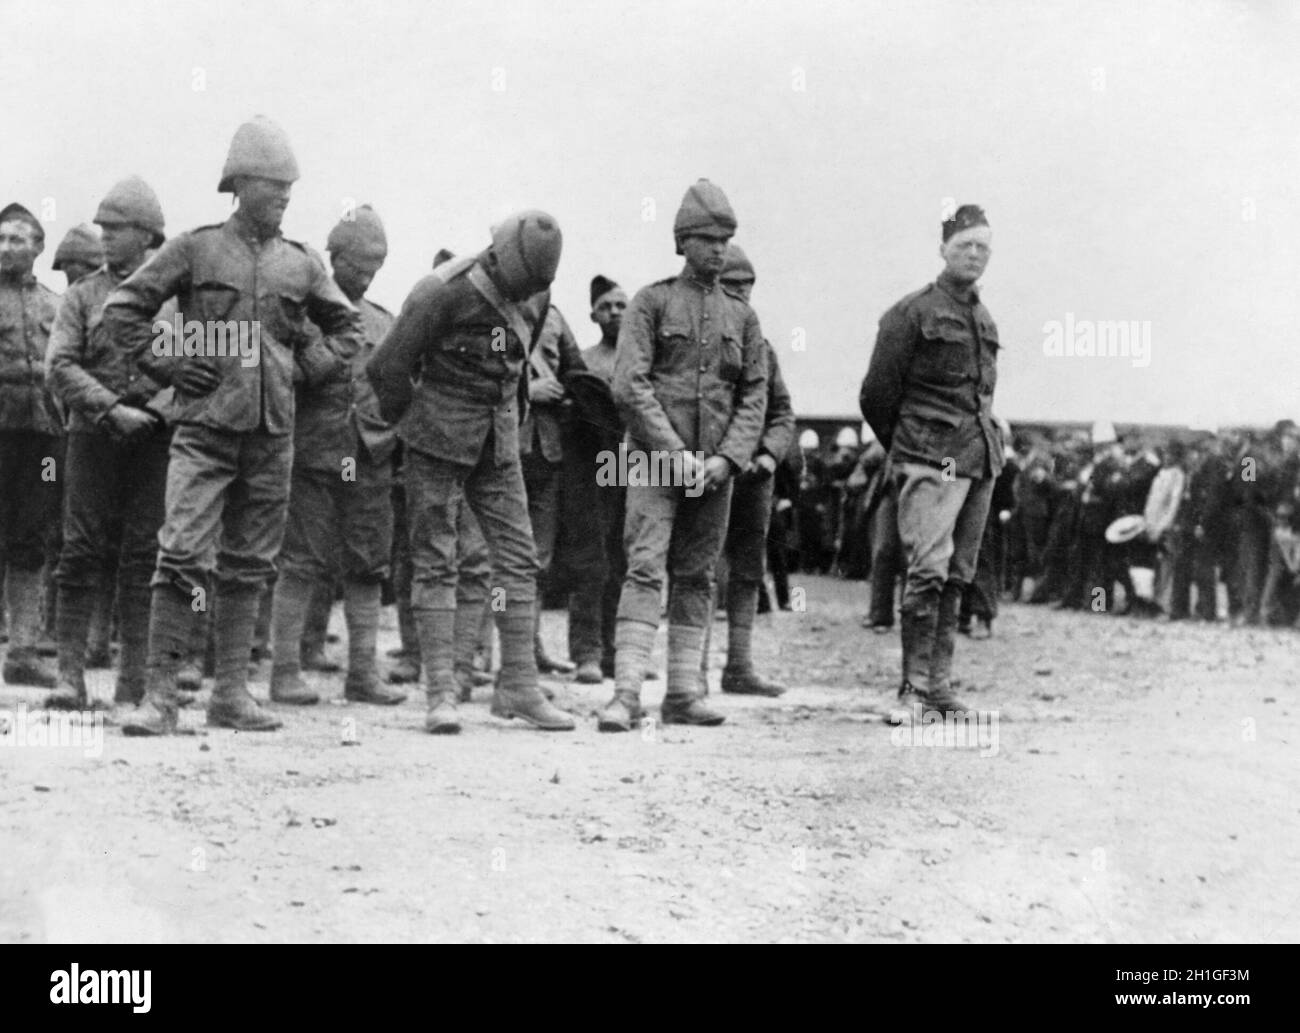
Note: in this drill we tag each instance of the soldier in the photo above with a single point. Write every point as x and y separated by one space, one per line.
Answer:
340 503
244 295
596 601
116 470
29 441
467 329
928 395
745 547
690 380
543 437
79 253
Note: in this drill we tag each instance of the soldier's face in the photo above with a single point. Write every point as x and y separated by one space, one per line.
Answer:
19 247
124 244
966 254
354 272
705 255
741 285
608 313
263 201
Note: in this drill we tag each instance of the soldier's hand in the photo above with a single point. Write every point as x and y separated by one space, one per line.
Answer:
715 472
126 421
545 392
196 378
764 465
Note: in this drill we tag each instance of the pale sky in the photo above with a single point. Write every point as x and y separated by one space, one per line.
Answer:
1136 161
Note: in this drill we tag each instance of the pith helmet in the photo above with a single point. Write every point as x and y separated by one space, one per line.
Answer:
81 244
704 211
260 148
363 233
527 247
736 264
133 202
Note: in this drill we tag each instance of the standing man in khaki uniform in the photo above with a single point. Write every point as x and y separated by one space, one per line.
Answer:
228 479
690 380
466 329
745 548
340 504
116 469
928 395
30 449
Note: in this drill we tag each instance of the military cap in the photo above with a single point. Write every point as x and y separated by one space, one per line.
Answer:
600 286
13 211
704 211
964 218
133 202
362 232
79 244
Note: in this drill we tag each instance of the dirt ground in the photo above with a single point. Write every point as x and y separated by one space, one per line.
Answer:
1139 785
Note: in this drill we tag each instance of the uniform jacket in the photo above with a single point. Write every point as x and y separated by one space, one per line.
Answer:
220 274
467 386
543 427
27 312
339 419
928 392
86 370
691 371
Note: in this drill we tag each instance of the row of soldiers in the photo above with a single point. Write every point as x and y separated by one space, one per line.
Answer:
235 413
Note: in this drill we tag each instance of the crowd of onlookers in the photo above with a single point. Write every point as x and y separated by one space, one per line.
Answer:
1212 528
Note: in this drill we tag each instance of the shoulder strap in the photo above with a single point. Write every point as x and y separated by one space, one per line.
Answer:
505 309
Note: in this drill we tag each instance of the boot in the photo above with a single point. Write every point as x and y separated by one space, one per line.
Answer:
361 611
23 666
436 629
293 596
633 643
939 694
589 673
98 646
197 660
133 631
75 606
171 633
235 616
407 669
917 633
682 704
749 683
517 693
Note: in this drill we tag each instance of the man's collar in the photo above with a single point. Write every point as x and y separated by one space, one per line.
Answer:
244 230
691 277
963 292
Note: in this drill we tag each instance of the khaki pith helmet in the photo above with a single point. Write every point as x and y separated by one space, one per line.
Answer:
737 265
260 148
527 247
132 201
80 244
704 211
362 233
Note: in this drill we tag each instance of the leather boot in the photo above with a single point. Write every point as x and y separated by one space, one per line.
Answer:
633 641
517 693
293 596
313 631
235 616
361 610
917 633
171 632
75 606
23 666
436 629
939 694
682 703
749 683
197 658
133 632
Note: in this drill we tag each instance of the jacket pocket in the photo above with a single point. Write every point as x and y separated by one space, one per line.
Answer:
731 359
